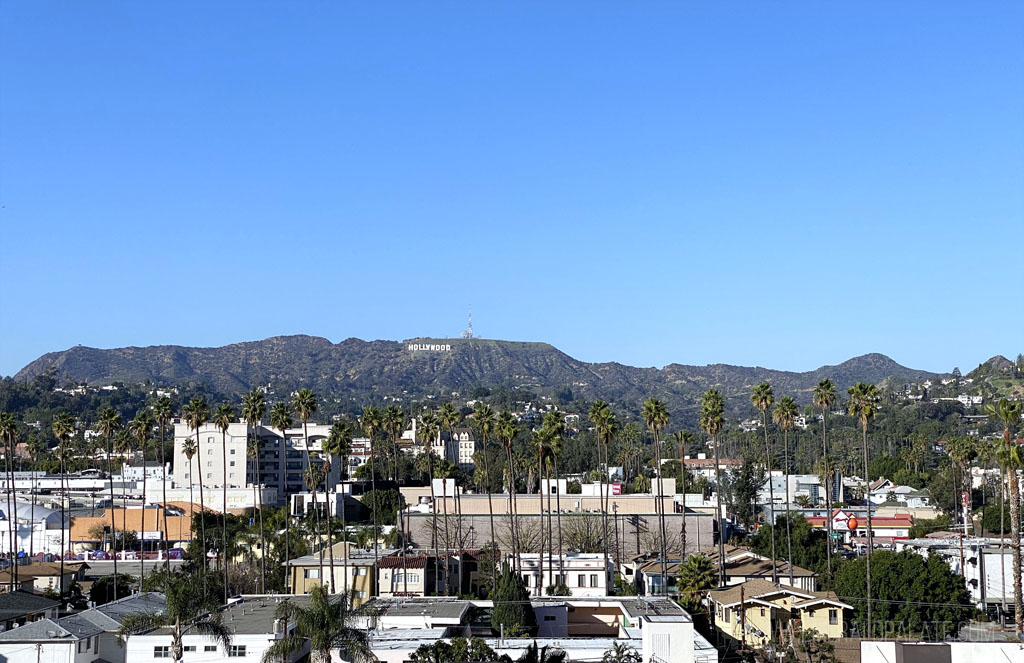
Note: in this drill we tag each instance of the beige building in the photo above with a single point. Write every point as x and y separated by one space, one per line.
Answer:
355 573
281 466
758 611
409 576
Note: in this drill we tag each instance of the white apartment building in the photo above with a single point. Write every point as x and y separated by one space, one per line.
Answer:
458 449
584 573
282 461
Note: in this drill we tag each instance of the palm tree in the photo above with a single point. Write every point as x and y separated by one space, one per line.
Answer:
682 438
304 403
189 449
762 399
506 429
63 429
825 397
142 428
109 424
223 417
394 423
338 445
554 422
188 608
429 429
784 417
197 412
712 417
281 419
254 406
1009 413
606 426
8 429
372 423
540 443
655 414
450 418
162 411
35 448
485 423
324 627
864 399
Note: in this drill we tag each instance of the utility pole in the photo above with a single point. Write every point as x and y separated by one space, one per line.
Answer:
743 621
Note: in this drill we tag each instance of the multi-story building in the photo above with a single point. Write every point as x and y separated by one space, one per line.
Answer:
282 460
585 574
457 446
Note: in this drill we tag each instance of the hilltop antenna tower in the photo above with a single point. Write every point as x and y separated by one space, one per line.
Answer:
469 329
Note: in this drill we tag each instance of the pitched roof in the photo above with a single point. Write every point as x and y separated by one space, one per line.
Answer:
18 604
823 597
41 629
109 616
754 589
395 562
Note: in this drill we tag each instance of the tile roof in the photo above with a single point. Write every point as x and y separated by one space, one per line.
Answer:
41 629
752 589
396 562
18 604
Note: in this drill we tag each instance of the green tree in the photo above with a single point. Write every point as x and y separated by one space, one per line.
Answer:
484 419
457 650
762 398
810 544
63 428
864 405
103 590
339 445
911 590
325 626
621 653
606 426
188 608
305 405
655 415
372 423
545 654
512 605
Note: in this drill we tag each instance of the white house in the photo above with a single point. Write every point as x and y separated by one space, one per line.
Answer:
584 573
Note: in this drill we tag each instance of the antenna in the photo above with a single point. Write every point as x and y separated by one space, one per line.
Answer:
469 329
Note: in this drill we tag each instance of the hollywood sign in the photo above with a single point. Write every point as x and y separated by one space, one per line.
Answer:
427 347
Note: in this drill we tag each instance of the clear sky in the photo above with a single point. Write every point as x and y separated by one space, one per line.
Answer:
784 184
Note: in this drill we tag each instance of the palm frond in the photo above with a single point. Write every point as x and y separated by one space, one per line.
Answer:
284 648
212 627
139 622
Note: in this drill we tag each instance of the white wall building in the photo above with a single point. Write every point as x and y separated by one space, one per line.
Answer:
584 573
38 529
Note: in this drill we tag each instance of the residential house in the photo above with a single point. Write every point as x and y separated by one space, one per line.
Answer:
585 574
853 528
354 572
407 576
19 608
743 565
47 575
758 611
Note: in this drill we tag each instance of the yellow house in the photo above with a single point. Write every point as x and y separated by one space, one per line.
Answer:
354 572
758 611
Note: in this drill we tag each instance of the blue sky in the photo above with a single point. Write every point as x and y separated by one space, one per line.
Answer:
782 184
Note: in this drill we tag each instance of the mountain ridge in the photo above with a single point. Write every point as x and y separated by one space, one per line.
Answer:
383 367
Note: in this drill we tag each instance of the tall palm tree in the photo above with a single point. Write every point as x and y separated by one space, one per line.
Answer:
825 397
864 400
163 408
188 608
540 443
393 420
682 438
1009 413
372 423
109 424
554 423
762 399
483 416
450 418
784 417
223 417
655 415
304 403
254 407
606 426
196 413
189 448
8 427
281 419
338 445
36 448
124 447
324 627
712 418
506 428
63 429
142 428
429 428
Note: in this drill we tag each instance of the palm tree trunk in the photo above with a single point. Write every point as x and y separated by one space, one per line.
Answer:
32 538
1018 610
789 535
447 539
373 487
316 509
63 517
202 507
257 486
163 507
661 516
551 541
223 557
113 524
561 552
867 504
718 515
434 533
490 505
330 527
771 495
11 509
682 526
1002 540
142 538
602 464
540 510
828 496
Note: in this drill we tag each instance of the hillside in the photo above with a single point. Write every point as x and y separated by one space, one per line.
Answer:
354 366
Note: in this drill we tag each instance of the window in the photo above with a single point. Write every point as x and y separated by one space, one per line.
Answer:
209 463
581 580
762 612
209 648
209 475
209 452
161 652
209 440
526 580
231 463
236 651
549 618
186 475
232 452
727 611
833 617
311 573
231 475
593 580
361 594
190 648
